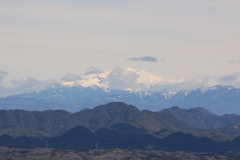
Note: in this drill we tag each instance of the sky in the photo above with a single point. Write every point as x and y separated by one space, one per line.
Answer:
47 39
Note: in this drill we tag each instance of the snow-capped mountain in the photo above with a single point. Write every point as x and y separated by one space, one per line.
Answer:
217 99
128 85
203 89
127 79
119 78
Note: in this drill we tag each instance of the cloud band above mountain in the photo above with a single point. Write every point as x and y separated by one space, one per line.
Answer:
2 74
143 59
92 70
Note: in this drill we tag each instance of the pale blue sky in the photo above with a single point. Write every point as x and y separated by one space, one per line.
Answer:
47 39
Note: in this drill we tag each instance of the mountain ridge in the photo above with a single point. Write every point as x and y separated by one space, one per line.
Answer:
139 88
120 115
218 99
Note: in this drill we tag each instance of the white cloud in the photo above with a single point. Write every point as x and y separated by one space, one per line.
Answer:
71 77
232 79
2 74
93 70
18 86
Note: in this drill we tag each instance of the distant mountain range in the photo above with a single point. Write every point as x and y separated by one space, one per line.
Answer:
139 88
123 108
217 99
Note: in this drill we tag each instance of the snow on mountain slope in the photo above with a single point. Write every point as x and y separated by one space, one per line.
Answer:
119 78
216 87
132 80
203 89
89 80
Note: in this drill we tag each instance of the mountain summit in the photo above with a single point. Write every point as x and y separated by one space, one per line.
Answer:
136 87
128 79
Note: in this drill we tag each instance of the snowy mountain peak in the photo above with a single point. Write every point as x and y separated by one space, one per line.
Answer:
216 87
90 80
129 79
119 78
169 95
203 89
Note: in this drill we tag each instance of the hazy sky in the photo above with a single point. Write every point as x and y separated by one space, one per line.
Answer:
47 39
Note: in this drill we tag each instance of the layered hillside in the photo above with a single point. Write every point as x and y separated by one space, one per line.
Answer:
121 116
